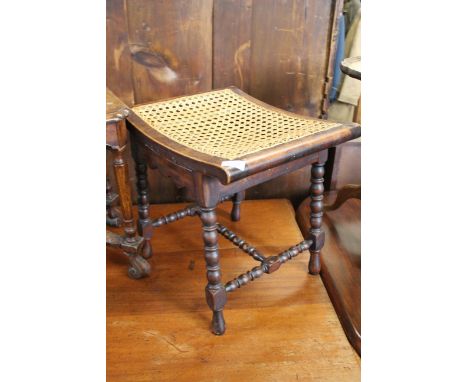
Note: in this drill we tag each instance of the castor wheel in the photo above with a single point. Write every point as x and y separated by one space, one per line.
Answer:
139 267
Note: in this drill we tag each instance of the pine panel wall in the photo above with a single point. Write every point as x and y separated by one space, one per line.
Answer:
279 51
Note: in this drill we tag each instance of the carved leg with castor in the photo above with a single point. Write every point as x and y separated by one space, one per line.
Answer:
139 267
316 234
145 229
130 242
112 215
236 204
215 291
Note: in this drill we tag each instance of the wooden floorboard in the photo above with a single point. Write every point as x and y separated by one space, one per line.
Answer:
281 327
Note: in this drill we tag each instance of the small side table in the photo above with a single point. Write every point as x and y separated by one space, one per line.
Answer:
352 67
116 140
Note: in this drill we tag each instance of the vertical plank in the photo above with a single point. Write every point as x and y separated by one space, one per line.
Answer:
337 11
320 22
118 63
171 47
232 21
289 49
289 57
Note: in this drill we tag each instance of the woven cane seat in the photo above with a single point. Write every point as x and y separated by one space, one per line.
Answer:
229 134
226 124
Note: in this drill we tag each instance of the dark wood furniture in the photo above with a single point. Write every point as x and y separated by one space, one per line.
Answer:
352 67
217 145
132 245
341 263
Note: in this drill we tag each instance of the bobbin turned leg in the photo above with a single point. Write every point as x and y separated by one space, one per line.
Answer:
316 213
145 229
215 292
236 203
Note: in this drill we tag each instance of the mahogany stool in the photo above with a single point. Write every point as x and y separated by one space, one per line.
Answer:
116 140
217 145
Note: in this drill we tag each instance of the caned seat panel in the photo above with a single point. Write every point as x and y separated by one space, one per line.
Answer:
226 124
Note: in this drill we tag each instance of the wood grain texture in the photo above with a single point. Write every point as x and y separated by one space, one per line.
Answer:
289 53
349 191
171 47
341 262
293 186
289 57
346 165
118 60
158 327
232 21
276 50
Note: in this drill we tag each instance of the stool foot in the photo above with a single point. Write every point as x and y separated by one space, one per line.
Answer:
215 292
314 263
236 204
139 267
145 229
218 326
147 250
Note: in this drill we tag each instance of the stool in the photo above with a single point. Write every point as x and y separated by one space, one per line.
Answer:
217 145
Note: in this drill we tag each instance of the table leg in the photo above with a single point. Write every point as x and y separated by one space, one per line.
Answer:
139 267
316 213
215 293
236 204
145 229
